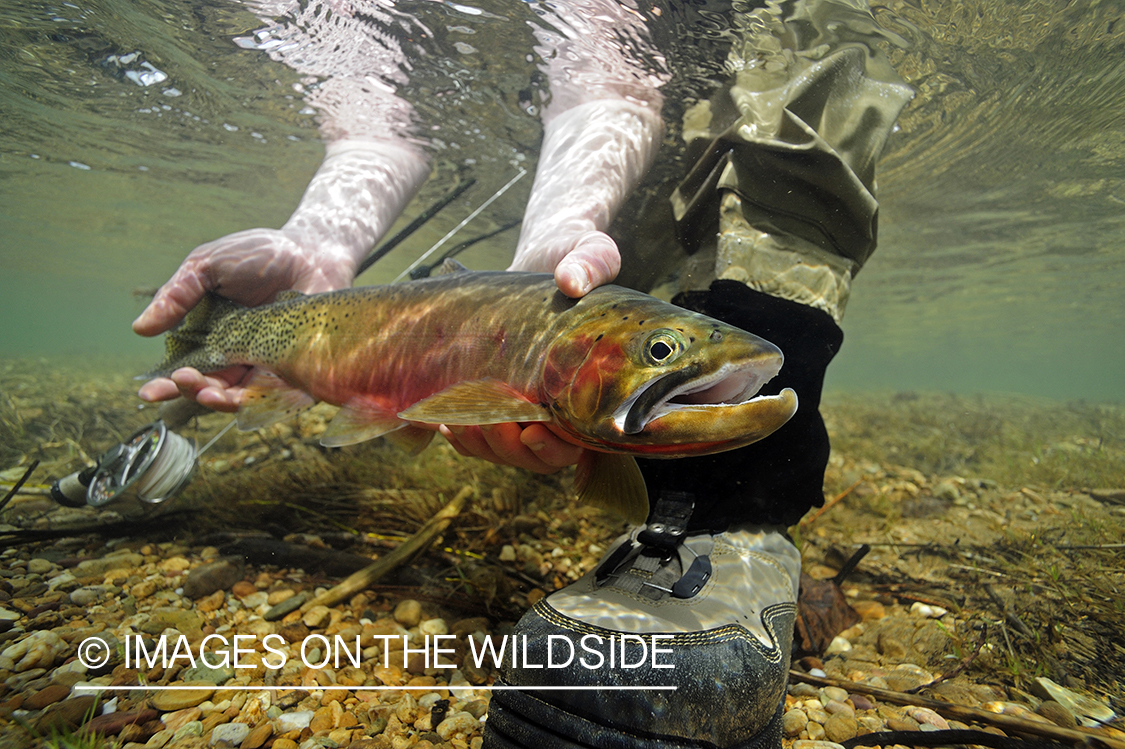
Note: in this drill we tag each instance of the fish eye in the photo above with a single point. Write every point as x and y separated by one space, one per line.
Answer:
664 347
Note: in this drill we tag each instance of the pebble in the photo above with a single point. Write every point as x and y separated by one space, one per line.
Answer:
113 723
806 744
862 702
39 566
285 606
171 700
841 727
926 716
49 695
233 733
294 721
902 724
834 693
159 739
67 714
433 627
173 721
837 646
408 613
114 561
927 610
458 722
1057 714
793 722
244 588
869 610
257 736
187 730
317 617
1088 711
40 649
802 689
209 578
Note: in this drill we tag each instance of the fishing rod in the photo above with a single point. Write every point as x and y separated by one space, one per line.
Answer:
464 221
424 271
414 225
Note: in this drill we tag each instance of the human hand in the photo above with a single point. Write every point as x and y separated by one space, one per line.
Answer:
532 446
249 267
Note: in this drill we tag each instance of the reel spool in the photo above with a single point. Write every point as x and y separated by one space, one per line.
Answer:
148 468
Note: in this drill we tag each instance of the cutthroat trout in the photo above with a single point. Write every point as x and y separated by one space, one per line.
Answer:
619 372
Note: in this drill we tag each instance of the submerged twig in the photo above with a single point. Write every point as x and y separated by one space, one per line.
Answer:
964 713
406 551
960 666
831 503
16 487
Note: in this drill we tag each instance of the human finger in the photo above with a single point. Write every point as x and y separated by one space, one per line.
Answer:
593 262
220 391
496 443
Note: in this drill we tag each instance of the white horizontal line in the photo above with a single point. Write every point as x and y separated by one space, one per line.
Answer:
434 688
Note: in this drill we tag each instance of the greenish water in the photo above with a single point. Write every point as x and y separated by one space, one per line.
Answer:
1001 264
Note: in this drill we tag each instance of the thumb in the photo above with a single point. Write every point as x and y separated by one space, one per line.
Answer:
594 261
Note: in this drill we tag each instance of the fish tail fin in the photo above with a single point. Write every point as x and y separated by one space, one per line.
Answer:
190 344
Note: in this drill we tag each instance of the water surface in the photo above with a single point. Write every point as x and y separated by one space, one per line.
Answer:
132 132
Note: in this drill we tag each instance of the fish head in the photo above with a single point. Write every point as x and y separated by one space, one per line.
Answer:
638 375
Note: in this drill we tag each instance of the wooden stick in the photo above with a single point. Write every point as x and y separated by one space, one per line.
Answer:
965 714
831 503
406 551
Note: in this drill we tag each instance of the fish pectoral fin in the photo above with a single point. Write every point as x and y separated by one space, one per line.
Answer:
614 483
359 421
486 401
411 439
268 399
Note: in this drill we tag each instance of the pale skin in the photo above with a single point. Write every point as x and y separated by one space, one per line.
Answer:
599 139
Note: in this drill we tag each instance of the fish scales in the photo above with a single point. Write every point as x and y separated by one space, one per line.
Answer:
398 343
618 372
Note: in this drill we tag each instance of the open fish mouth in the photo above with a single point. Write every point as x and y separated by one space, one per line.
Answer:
732 385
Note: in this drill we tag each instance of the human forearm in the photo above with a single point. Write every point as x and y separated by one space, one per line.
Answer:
357 193
593 155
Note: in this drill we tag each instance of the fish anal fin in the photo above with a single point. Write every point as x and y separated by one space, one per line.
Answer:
614 483
486 401
268 399
411 439
359 421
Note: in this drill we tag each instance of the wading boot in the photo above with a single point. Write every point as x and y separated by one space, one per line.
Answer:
676 639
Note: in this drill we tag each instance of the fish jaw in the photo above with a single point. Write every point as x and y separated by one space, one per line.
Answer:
699 396
684 429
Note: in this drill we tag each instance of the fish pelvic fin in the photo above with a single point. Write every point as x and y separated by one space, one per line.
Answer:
189 344
612 482
358 421
268 399
485 401
411 439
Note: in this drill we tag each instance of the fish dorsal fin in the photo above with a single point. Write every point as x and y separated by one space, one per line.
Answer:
614 483
358 421
486 401
268 399
449 267
411 439
285 296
